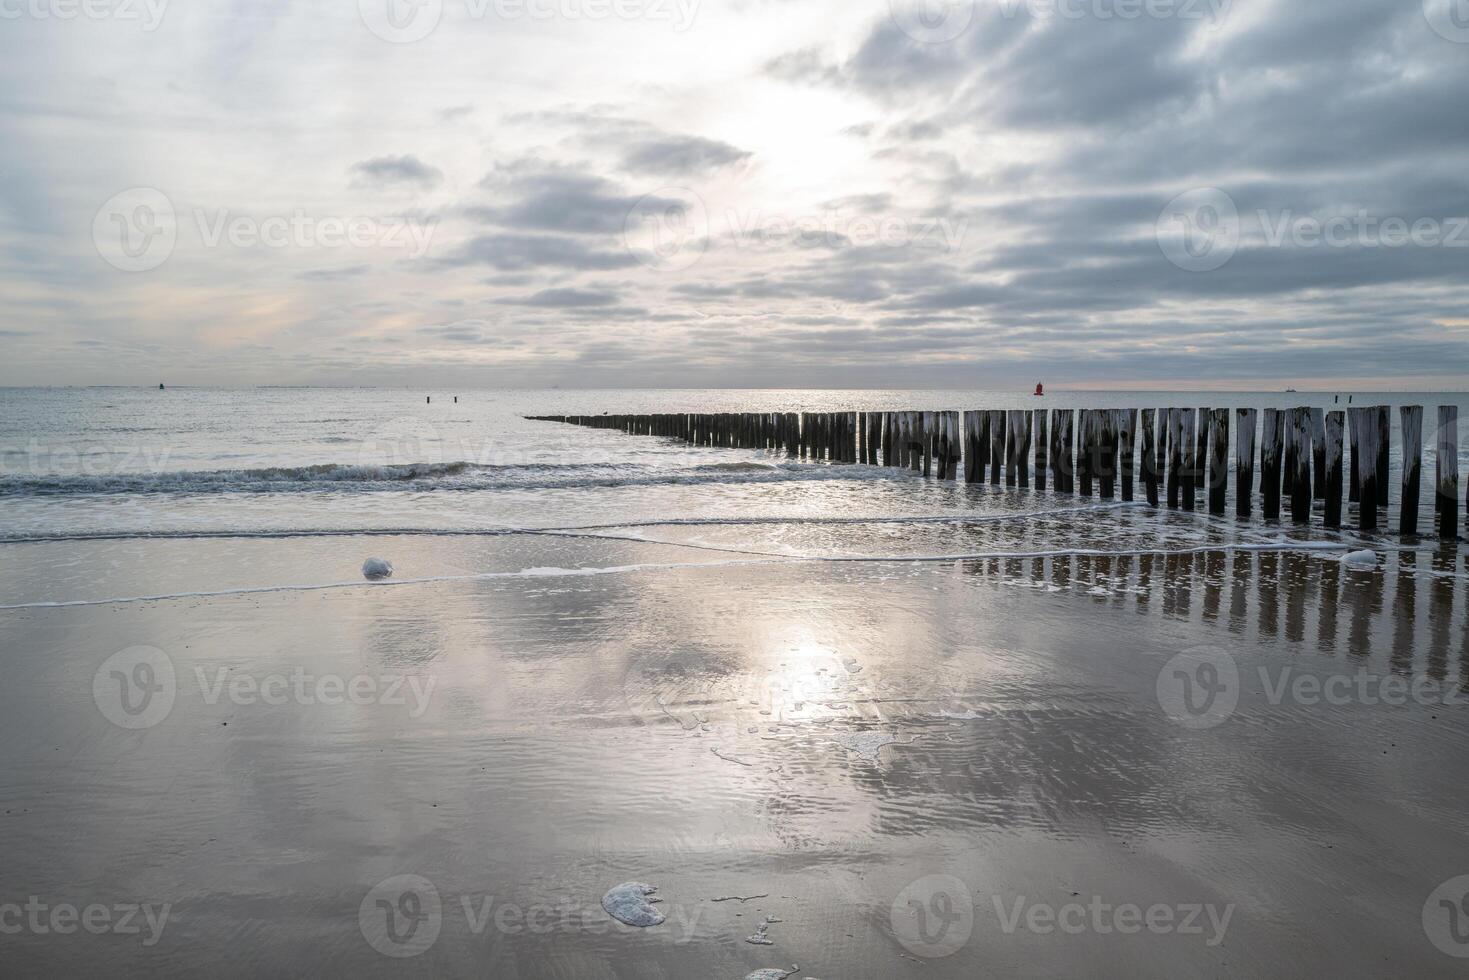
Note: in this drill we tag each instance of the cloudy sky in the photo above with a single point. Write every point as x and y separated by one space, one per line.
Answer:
1093 193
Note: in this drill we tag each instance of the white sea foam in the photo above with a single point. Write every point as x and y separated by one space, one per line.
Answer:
630 904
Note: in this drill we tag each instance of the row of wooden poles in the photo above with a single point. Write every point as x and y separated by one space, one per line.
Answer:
1180 454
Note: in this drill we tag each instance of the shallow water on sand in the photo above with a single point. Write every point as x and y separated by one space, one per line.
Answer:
963 743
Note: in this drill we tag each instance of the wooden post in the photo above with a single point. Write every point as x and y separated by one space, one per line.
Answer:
1106 449
1201 452
1446 482
1189 438
1022 419
1333 449
1042 448
1354 480
997 446
1270 441
1150 456
1366 464
1244 461
1086 449
1061 450
1012 446
1301 497
1127 432
1412 426
1218 459
1383 419
1172 432
973 461
1318 447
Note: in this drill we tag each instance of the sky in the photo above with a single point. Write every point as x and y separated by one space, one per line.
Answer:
735 193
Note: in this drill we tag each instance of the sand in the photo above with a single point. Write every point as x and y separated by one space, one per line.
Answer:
944 769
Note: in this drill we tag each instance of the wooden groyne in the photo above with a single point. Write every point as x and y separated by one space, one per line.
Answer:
1307 456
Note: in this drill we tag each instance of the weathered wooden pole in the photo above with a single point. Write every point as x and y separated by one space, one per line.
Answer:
1189 437
1022 449
1301 497
1446 480
1412 426
1150 456
1106 453
1012 447
1244 461
1218 460
973 462
1318 447
1127 432
1061 450
1383 419
1042 447
1333 475
1201 452
1366 464
1271 438
997 446
1172 433
1354 469
1086 449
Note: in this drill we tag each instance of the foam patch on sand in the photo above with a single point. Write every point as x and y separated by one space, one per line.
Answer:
629 904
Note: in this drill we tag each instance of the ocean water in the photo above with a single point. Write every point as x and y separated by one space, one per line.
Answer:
118 461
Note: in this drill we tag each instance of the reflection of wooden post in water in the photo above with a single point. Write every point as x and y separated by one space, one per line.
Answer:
1270 463
1213 584
1441 610
1412 425
1332 480
1042 447
1190 447
1365 462
1218 460
1244 461
1242 565
1446 480
1404 613
1296 565
1127 431
1150 456
1330 592
1269 579
1300 501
